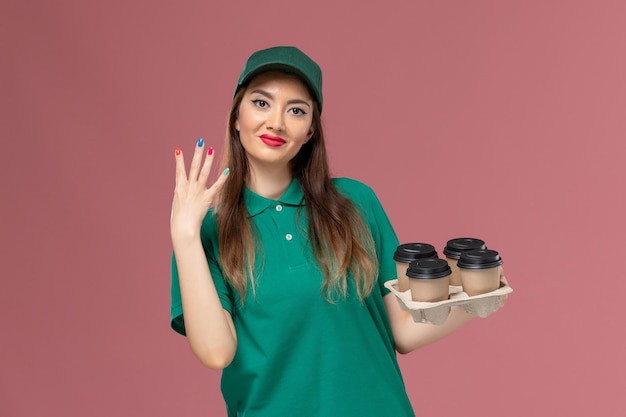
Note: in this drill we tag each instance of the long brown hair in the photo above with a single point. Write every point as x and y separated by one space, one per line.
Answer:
340 239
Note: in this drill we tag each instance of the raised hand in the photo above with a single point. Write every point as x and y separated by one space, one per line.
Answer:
192 198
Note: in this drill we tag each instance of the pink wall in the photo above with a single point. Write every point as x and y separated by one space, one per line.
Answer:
498 119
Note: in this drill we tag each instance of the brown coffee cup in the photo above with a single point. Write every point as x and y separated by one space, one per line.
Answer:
429 280
480 271
453 251
407 253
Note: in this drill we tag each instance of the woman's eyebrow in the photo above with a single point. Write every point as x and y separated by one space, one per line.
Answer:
271 97
263 93
299 101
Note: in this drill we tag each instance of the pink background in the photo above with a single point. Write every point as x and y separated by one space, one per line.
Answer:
497 119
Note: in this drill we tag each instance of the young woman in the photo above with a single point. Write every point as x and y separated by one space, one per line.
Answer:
279 269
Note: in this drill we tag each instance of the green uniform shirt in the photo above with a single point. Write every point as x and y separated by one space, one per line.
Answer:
298 354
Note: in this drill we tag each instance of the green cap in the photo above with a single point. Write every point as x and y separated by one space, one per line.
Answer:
285 58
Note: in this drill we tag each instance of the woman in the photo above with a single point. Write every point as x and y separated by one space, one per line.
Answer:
281 281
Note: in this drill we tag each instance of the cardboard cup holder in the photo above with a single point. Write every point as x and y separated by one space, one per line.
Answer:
437 312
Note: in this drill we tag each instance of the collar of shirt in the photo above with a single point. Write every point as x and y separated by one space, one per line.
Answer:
293 196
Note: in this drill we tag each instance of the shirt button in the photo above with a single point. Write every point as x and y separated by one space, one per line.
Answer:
279 208
288 236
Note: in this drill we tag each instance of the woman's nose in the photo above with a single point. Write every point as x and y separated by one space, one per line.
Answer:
275 120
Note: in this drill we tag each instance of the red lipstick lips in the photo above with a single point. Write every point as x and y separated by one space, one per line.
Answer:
271 140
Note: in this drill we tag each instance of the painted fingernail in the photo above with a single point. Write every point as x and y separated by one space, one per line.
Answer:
226 171
200 142
210 151
177 151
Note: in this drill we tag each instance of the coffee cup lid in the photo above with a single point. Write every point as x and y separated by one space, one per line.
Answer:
408 252
479 259
428 268
454 247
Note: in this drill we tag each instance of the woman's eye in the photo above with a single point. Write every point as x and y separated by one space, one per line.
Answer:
260 103
298 111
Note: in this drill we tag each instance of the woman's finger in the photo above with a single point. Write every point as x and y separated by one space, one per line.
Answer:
217 185
505 282
502 277
206 168
196 160
181 175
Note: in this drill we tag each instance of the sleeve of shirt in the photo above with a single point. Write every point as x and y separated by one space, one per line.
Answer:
224 291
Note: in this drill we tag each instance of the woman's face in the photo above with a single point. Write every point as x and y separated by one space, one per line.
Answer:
274 119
